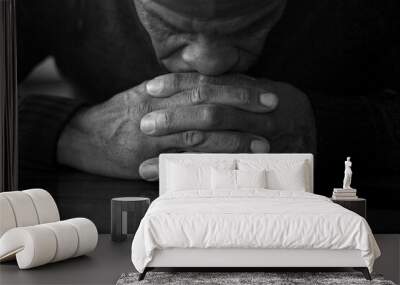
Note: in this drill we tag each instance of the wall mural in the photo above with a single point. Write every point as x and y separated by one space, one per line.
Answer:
106 86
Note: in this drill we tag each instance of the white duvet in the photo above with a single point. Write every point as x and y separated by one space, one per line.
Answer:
252 218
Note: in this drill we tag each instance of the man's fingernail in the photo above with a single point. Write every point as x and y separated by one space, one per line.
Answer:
148 172
269 100
148 124
259 146
155 86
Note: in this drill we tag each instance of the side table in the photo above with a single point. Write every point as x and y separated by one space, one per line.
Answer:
358 205
119 215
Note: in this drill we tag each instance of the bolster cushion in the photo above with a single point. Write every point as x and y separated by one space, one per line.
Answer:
40 244
26 208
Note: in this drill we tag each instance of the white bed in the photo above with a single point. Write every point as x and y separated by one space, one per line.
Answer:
249 227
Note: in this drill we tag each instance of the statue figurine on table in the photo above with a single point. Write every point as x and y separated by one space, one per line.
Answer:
347 174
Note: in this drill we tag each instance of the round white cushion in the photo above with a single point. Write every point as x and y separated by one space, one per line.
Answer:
67 240
87 233
23 208
45 205
26 208
33 246
40 244
7 218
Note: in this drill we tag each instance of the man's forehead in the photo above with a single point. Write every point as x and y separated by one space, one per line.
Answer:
211 9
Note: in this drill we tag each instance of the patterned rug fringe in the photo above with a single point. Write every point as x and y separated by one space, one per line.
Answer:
244 278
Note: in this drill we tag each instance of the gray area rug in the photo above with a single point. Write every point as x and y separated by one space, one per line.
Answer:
269 278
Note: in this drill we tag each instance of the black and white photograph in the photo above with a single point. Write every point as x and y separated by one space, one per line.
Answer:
200 142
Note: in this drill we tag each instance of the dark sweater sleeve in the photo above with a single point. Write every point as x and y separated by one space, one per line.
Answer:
42 118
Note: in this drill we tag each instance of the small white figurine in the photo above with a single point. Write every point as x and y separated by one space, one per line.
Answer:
347 174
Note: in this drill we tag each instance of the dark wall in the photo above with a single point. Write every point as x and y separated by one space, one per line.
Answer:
8 97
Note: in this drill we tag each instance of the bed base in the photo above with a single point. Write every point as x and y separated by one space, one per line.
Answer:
250 259
363 270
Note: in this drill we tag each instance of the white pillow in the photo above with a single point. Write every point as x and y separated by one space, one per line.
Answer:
225 179
251 179
181 178
282 174
189 174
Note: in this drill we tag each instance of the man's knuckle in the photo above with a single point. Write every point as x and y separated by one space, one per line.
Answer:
166 119
211 116
133 103
188 138
196 95
235 143
126 97
143 107
202 79
243 96
175 80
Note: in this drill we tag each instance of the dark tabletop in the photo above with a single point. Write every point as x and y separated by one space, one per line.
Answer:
80 194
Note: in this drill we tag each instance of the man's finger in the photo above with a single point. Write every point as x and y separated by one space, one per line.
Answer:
196 141
249 99
172 83
207 118
148 170
232 142
179 141
213 142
